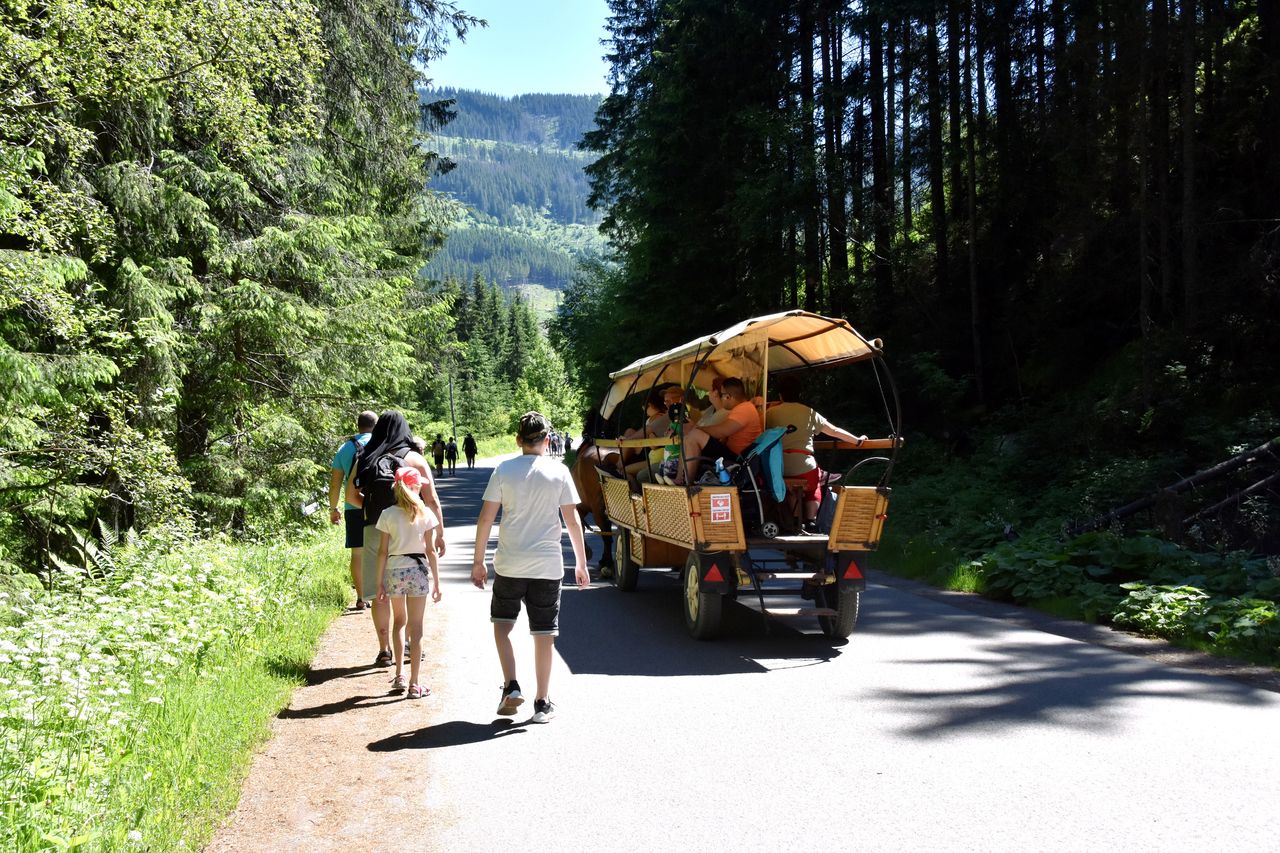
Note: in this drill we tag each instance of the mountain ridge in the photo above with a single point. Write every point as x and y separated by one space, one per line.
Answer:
517 171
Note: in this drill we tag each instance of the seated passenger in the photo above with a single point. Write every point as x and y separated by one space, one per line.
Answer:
798 461
715 411
656 425
729 438
674 395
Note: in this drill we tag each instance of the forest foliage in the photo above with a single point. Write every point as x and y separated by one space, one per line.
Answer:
515 167
212 224
1060 217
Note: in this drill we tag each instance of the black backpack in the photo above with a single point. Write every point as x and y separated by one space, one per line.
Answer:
376 480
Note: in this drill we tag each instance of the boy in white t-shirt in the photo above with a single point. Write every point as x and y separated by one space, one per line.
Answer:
534 493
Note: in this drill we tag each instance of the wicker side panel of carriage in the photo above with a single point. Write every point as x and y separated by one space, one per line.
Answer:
637 549
667 510
859 518
717 519
617 501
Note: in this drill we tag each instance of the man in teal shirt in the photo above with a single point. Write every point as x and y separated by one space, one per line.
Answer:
339 474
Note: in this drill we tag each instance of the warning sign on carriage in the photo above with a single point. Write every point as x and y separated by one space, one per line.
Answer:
721 509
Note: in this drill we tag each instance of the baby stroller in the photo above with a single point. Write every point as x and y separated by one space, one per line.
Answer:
758 476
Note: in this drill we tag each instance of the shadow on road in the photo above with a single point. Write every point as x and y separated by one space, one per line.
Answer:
608 632
452 733
349 703
1007 681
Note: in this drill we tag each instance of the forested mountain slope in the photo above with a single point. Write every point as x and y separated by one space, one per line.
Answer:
521 177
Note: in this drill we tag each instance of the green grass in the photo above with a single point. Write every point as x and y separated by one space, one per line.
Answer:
142 712
187 772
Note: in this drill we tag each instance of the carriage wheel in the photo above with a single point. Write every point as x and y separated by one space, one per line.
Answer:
845 602
701 609
625 571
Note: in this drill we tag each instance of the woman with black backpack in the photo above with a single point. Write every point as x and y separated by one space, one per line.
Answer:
389 448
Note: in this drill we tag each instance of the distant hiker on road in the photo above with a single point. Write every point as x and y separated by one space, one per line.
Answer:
534 494
437 453
339 473
451 456
469 448
389 449
403 559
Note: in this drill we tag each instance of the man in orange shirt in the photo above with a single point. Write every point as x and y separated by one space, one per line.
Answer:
730 437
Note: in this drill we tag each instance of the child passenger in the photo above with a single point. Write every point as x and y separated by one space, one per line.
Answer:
403 558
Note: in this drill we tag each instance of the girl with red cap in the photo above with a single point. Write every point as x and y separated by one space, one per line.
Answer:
404 558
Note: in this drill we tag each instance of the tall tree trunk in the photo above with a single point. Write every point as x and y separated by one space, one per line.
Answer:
857 162
858 183
1142 153
937 199
975 297
907 71
954 40
880 177
1269 44
1190 295
1160 141
833 129
1041 86
1006 228
979 59
808 153
891 116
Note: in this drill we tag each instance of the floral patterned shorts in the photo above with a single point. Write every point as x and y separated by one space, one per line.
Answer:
408 574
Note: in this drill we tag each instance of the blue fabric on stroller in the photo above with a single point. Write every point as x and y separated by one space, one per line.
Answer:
758 476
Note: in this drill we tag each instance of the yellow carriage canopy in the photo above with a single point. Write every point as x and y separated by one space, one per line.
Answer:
775 343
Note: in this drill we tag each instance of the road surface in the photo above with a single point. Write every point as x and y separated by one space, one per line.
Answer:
934 727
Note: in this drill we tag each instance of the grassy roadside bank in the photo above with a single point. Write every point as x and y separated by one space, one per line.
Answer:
132 703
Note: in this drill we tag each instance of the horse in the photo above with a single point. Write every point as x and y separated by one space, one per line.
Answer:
587 482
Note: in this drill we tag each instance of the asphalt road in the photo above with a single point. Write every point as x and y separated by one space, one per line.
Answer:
934 727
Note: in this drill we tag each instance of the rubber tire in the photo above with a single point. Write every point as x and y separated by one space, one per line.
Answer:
625 571
842 624
701 609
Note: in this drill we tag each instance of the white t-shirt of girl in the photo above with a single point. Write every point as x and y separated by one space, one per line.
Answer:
407 536
531 489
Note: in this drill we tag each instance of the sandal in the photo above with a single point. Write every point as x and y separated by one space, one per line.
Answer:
417 691
384 658
398 683
361 604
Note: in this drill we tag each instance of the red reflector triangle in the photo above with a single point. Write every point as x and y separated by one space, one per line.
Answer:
852 572
713 575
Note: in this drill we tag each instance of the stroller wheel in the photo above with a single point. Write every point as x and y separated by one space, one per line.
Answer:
769 529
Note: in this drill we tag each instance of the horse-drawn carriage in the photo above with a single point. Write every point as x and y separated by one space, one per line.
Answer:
700 528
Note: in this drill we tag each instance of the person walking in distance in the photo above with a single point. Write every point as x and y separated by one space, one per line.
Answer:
469 448
451 456
403 559
534 494
339 473
437 454
389 449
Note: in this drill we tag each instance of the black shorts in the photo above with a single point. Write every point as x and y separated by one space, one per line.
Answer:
715 449
355 527
541 598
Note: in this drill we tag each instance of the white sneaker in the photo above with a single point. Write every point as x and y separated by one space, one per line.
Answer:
543 711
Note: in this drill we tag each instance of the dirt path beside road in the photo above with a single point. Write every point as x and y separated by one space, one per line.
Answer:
349 764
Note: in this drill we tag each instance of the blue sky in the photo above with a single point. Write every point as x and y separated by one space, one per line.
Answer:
529 46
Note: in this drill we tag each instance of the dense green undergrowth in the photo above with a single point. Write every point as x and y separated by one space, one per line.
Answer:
994 522
131 703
